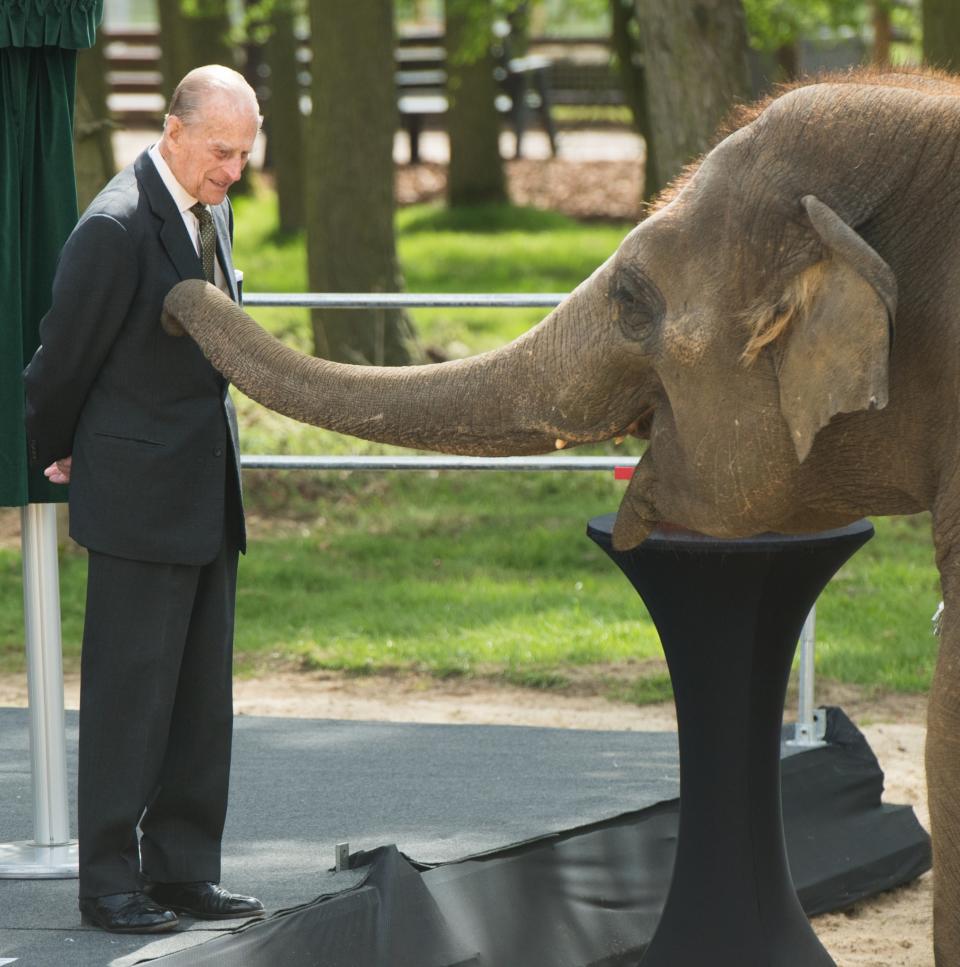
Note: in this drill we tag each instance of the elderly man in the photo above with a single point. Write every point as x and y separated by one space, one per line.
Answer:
142 427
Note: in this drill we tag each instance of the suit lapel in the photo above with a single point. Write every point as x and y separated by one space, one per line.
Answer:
173 233
224 247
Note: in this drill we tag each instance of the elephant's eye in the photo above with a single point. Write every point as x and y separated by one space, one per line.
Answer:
639 305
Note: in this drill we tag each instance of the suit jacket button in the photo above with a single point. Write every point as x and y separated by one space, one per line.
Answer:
218 452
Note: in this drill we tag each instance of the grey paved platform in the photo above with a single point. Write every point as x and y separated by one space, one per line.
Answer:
439 792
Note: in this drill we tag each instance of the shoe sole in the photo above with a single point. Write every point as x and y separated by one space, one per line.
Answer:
197 915
159 928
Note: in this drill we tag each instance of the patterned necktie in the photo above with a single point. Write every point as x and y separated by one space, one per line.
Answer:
208 239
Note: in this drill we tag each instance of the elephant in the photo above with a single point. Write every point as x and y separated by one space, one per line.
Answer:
783 328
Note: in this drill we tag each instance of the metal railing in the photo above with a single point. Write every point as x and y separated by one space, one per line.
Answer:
405 300
528 464
810 720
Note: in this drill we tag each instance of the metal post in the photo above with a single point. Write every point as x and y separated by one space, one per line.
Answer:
810 727
51 854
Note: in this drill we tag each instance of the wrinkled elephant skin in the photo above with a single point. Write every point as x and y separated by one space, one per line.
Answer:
784 328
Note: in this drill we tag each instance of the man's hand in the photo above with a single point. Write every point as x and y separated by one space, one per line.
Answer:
59 471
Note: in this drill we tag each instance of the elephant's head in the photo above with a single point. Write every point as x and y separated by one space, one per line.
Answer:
728 328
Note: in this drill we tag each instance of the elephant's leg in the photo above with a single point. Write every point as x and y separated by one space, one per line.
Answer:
943 767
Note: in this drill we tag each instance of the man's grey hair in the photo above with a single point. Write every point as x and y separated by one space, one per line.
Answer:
200 85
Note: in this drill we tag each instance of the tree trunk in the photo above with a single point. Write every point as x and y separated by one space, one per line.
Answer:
941 34
882 34
189 40
209 28
248 58
93 128
284 123
695 56
350 233
476 175
787 57
175 54
625 40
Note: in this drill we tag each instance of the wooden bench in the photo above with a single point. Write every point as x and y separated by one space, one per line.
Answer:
526 82
134 81
422 92
421 79
134 84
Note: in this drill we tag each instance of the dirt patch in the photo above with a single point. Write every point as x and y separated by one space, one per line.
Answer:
586 190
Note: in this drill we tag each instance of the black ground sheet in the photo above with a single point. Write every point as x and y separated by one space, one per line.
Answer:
488 845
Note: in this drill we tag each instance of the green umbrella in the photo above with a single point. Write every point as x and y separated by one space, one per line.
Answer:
39 40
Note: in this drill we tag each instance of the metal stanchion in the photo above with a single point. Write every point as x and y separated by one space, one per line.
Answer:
51 854
811 722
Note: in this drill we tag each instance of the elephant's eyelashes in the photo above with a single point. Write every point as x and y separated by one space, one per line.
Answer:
638 304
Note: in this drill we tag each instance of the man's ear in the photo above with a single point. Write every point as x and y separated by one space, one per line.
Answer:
836 351
172 130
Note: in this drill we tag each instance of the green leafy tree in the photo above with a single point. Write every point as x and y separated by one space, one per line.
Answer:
350 215
625 40
778 25
271 28
193 33
476 173
772 24
695 57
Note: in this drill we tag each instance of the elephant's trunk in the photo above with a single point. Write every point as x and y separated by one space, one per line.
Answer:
547 386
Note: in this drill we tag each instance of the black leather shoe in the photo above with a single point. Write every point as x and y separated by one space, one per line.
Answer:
205 901
127 913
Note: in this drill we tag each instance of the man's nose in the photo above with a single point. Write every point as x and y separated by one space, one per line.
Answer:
234 168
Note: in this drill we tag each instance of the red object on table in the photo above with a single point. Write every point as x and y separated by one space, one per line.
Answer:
623 473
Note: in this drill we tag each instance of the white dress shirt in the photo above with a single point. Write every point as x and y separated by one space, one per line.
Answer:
184 202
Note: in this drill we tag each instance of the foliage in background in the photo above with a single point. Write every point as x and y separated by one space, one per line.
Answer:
476 19
566 18
772 24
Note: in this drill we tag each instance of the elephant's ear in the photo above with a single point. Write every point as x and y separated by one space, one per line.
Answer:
838 346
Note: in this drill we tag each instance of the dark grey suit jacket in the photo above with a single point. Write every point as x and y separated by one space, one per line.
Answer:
147 419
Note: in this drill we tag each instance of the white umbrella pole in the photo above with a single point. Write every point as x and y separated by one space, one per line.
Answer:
51 854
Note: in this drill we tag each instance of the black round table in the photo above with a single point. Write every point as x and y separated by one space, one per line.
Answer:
729 614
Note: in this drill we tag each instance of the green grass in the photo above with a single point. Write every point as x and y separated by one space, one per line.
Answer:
873 625
491 575
591 114
428 575
491 249
484 574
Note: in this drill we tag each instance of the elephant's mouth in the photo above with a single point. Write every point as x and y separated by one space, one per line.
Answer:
640 427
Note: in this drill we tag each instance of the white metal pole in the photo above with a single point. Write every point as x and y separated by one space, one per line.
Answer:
51 854
808 731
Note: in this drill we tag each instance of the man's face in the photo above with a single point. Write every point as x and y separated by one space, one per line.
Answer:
208 155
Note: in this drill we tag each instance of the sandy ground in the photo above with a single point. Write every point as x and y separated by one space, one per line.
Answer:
892 930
